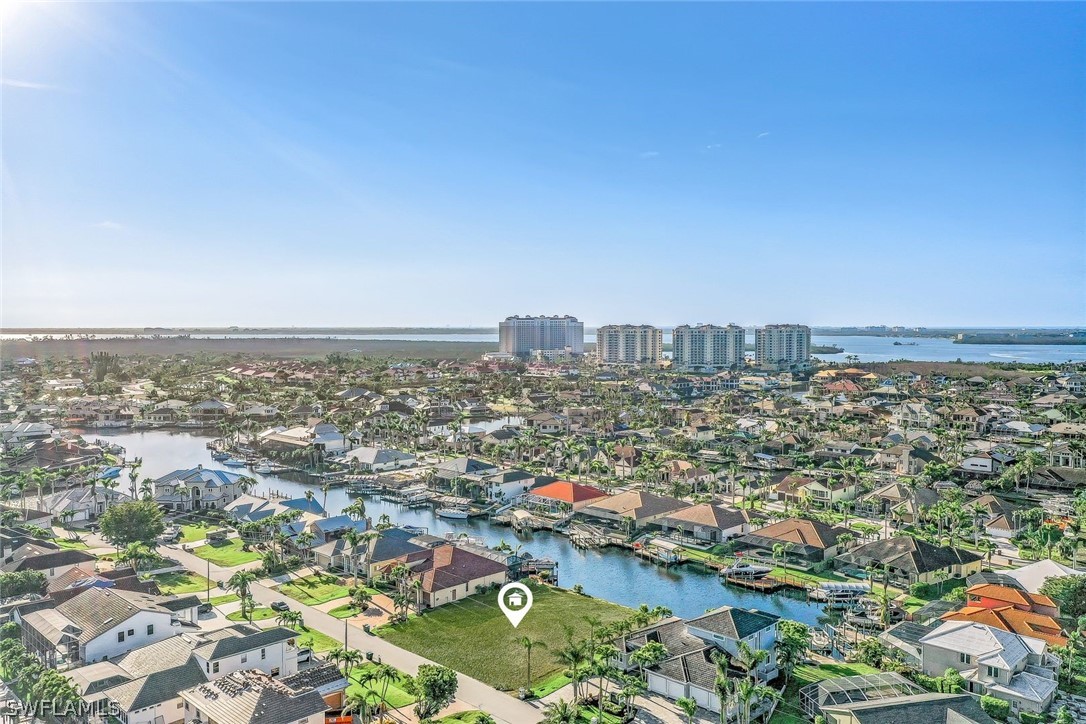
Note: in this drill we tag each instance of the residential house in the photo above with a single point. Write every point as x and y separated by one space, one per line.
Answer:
1018 669
638 507
376 460
808 540
197 488
1015 620
694 646
253 696
210 412
450 573
563 495
103 623
707 523
930 708
911 560
989 595
47 559
914 414
906 459
1032 576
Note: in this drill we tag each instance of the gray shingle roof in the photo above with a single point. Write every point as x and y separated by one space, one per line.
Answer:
735 623
239 644
156 687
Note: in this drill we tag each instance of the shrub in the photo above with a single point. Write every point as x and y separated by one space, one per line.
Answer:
9 630
920 590
1028 717
995 708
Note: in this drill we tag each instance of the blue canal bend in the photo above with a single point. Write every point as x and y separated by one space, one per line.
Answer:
610 573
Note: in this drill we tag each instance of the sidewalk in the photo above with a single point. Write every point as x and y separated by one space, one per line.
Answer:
475 694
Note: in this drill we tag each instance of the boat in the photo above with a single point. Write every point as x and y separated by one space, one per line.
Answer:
264 467
455 513
820 641
837 594
744 569
233 463
220 456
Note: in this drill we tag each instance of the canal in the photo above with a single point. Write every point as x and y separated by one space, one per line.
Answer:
611 574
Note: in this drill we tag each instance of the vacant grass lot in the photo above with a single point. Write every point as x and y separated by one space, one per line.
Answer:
473 635
228 554
395 697
318 588
182 582
789 710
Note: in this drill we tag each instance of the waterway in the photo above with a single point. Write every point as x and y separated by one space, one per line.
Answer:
612 574
865 348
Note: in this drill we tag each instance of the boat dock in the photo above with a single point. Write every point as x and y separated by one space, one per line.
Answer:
769 584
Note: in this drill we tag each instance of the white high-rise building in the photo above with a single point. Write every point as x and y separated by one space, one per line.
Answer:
708 345
782 345
631 344
525 336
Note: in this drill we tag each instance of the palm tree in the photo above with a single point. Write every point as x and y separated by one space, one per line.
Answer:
649 655
385 674
749 658
562 712
304 540
240 582
573 656
688 706
360 701
324 489
290 619
529 643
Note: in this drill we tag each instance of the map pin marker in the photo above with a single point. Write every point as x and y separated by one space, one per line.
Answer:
514 600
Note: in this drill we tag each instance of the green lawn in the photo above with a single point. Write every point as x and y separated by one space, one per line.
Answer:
789 711
344 611
474 637
228 554
195 531
183 582
318 588
228 598
397 697
260 613
76 545
313 639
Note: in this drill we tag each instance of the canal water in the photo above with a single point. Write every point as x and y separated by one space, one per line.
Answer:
612 574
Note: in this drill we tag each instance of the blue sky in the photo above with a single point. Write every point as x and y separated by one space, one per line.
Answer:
409 164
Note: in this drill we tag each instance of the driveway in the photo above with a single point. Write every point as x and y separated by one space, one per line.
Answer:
475 694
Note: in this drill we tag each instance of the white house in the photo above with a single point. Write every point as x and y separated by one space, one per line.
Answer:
376 460
1008 666
197 488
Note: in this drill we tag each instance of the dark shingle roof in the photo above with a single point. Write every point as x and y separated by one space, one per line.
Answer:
238 644
931 708
156 687
696 667
911 555
735 623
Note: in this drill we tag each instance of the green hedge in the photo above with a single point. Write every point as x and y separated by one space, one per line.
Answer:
995 708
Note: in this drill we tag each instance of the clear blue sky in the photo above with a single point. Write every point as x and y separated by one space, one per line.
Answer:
372 164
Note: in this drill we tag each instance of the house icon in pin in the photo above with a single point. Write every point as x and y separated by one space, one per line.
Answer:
515 599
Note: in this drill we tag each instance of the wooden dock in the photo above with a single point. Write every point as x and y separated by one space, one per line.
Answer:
769 584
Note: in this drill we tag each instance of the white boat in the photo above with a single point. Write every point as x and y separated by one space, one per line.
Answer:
234 463
747 570
264 467
457 513
838 593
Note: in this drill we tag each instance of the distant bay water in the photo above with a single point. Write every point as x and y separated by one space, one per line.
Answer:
865 348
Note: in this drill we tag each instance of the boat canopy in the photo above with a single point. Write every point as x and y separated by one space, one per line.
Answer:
844 587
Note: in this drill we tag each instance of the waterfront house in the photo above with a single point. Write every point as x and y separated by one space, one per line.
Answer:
1018 669
911 560
449 573
913 414
197 488
210 412
639 507
695 645
463 466
990 595
83 503
926 707
1014 620
807 540
376 460
707 523
250 509
563 495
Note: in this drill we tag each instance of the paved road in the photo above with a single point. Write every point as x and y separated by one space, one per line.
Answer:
472 692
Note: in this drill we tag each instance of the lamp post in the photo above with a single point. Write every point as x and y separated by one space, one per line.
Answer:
209 580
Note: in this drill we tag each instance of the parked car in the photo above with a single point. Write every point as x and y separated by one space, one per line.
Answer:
204 608
279 606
